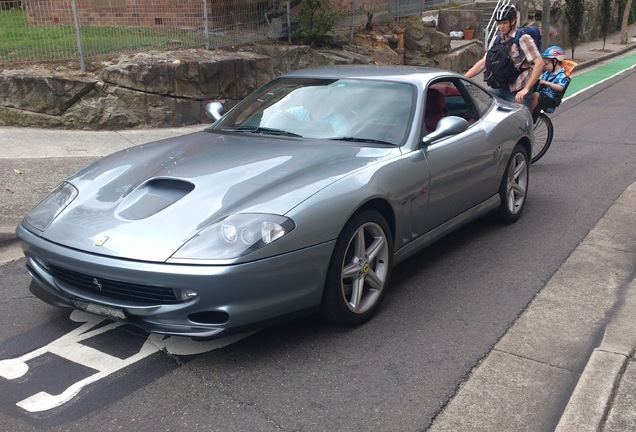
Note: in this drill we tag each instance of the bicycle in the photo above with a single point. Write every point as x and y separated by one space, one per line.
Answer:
543 128
543 133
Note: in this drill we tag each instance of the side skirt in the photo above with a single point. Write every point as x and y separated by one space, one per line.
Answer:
469 215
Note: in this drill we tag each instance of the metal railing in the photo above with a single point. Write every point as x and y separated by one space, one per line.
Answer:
73 31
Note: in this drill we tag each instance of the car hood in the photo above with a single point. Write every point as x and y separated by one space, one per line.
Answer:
144 203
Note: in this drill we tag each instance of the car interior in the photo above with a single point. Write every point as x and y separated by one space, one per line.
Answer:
444 99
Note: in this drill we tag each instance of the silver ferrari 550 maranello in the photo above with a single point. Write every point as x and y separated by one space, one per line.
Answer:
298 200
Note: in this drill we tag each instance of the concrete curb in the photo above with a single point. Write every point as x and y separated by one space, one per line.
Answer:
588 406
540 375
592 400
608 56
7 235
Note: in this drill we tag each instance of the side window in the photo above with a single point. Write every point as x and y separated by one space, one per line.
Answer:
444 98
482 99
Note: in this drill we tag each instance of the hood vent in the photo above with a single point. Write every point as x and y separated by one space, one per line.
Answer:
152 197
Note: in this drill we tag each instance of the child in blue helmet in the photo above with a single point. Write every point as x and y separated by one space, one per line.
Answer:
551 83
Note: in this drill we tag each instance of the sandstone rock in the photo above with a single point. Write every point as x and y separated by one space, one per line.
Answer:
376 47
48 94
112 107
166 89
463 59
22 118
286 58
421 39
194 74
344 57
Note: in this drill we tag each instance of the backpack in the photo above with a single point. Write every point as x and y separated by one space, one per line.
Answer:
500 69
532 31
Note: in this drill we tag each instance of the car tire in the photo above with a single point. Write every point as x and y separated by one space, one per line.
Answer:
514 185
359 271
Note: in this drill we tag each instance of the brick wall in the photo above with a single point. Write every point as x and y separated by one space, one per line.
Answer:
159 13
135 13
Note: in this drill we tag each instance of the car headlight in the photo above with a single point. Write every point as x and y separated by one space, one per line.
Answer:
235 236
51 206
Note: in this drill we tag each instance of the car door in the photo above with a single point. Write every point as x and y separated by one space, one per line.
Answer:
461 166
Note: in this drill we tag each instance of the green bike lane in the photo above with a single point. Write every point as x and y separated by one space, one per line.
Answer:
599 74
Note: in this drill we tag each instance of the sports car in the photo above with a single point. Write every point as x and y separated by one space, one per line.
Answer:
299 200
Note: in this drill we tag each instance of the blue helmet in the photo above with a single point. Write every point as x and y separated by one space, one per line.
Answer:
555 52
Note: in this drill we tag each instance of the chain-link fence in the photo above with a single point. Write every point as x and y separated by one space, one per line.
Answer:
34 31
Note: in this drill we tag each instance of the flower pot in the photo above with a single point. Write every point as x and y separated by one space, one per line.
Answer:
469 33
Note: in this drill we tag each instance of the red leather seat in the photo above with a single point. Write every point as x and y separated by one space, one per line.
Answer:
435 109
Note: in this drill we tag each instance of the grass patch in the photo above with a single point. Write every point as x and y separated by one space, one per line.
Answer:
22 42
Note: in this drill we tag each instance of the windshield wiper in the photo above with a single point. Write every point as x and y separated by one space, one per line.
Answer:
356 139
264 130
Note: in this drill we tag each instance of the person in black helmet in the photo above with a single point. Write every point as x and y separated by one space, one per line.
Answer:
525 56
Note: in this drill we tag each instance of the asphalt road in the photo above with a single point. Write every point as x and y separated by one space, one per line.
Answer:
447 308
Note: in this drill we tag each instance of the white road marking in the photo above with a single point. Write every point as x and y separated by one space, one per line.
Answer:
70 348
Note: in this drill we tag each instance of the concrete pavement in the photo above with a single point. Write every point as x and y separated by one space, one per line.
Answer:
534 379
521 383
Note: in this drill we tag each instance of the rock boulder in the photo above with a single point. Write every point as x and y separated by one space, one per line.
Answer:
192 74
169 89
37 93
423 39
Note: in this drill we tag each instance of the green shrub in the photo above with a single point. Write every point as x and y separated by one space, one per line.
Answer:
10 4
315 20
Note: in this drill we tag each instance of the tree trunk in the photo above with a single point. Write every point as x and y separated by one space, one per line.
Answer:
628 7
546 25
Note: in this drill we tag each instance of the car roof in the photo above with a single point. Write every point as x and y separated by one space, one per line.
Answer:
400 72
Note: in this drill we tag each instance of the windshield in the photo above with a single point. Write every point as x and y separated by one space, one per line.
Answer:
337 109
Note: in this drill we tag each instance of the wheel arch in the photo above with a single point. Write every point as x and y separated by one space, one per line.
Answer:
383 207
334 297
525 142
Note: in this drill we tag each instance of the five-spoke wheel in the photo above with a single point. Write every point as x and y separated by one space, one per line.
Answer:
359 271
514 185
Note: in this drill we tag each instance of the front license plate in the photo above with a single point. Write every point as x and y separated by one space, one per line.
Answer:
107 311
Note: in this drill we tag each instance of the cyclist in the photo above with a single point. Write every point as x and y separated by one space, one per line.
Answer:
551 83
524 57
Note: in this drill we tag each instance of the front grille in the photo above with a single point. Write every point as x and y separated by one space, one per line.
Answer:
144 294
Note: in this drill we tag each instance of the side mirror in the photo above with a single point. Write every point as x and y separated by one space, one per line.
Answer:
214 110
447 126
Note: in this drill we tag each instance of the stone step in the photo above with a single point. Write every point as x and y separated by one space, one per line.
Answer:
488 9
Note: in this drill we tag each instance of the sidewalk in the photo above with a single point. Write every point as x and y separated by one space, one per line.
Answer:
523 384
528 369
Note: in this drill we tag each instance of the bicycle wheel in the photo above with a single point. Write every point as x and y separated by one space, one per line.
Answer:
543 131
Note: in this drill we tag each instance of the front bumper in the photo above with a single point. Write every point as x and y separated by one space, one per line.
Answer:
230 298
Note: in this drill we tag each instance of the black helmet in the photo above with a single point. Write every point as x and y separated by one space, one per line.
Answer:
506 12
